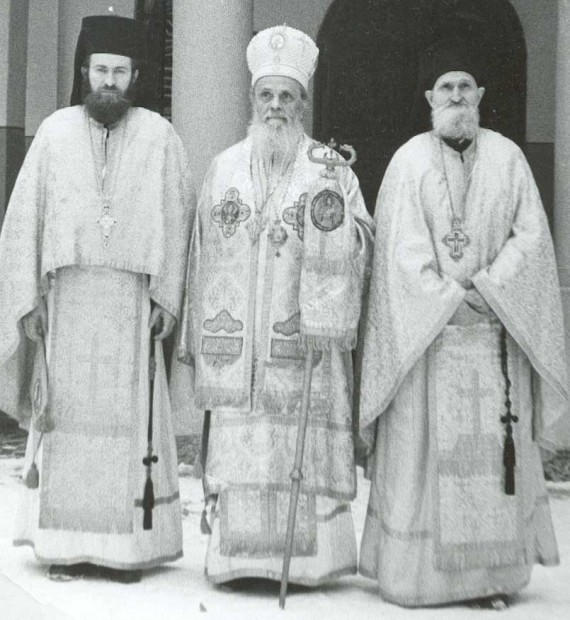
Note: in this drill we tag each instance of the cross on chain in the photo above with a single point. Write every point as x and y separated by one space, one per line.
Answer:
106 222
456 240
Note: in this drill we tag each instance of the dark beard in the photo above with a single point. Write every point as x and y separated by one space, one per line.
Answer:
107 105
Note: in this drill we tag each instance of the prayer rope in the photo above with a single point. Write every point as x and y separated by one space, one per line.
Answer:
509 455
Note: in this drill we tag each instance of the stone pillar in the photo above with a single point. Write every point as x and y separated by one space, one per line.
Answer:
13 51
211 81
562 172
41 91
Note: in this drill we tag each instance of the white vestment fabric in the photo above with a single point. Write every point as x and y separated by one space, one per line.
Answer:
97 253
241 334
440 527
88 507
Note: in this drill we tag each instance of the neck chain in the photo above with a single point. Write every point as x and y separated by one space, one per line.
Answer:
106 221
277 234
456 239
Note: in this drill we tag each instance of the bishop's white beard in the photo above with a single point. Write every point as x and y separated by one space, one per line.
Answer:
276 143
456 122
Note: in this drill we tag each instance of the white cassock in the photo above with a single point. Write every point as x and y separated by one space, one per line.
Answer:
97 273
440 526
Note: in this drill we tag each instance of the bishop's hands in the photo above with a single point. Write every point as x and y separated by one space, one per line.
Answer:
162 320
35 323
473 309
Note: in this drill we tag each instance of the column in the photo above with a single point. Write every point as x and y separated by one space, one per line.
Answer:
562 172
13 51
41 91
211 81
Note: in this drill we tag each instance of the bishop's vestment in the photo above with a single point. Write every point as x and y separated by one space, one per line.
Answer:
242 337
97 256
440 525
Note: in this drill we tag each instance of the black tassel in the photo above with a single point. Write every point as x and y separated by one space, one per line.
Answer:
509 461
33 477
509 456
148 504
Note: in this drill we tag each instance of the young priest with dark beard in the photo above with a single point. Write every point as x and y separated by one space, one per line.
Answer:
92 258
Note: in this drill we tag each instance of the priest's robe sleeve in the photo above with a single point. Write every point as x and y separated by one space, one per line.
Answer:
22 282
364 230
409 301
189 327
167 288
521 286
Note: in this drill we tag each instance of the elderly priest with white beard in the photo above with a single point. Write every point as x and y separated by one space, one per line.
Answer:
464 369
278 252
92 255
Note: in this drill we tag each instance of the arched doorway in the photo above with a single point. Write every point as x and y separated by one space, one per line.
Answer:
366 86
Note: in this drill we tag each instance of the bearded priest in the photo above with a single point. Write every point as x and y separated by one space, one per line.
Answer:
464 371
92 257
265 206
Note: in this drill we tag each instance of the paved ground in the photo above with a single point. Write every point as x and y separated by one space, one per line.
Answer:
180 591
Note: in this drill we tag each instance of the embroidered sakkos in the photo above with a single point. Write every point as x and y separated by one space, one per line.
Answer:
241 332
241 326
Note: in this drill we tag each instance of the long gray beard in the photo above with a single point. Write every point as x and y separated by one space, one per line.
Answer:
276 144
456 122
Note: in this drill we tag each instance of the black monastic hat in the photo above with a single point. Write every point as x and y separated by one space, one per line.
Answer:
107 34
451 55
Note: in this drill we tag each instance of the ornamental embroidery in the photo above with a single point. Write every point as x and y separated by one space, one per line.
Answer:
221 351
327 210
277 41
290 327
223 321
295 215
230 212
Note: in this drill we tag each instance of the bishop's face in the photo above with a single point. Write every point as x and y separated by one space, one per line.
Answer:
110 73
278 100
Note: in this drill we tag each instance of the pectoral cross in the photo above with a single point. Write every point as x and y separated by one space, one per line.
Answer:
106 222
456 240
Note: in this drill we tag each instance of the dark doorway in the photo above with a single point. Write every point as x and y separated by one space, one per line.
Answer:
366 86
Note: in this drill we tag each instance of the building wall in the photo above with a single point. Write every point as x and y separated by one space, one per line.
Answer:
13 37
539 19
41 96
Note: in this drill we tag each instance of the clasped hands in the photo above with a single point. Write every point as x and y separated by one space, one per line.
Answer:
473 309
35 323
